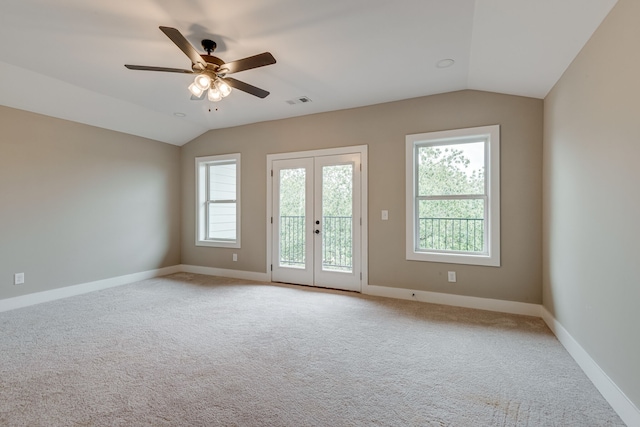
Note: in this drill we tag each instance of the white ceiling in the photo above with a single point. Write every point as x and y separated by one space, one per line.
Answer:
65 58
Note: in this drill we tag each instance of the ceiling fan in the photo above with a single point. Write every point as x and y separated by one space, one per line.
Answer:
211 72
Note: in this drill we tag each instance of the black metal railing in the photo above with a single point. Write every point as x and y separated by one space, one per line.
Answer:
292 241
451 234
337 242
446 234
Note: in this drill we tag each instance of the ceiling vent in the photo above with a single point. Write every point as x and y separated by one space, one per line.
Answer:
300 100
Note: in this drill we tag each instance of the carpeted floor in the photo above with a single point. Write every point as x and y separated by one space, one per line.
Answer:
191 350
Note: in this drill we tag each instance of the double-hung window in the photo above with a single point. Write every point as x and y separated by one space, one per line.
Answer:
453 196
218 201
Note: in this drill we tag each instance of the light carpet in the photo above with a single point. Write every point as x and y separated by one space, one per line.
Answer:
193 350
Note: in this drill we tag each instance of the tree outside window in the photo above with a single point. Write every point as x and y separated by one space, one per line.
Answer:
453 200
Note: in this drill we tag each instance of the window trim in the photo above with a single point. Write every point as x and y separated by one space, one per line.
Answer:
492 193
202 202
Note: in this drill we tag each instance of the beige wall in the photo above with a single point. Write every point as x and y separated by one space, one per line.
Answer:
591 198
80 204
383 128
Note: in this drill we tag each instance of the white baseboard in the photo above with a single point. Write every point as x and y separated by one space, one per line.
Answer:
223 272
83 288
501 306
605 385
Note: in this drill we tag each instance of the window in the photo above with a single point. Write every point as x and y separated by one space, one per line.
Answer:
218 201
453 196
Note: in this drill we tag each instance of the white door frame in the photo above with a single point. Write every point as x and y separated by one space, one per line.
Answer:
362 150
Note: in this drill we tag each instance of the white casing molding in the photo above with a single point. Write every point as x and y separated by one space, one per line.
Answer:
605 385
83 288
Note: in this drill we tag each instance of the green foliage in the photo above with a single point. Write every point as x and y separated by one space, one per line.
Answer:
337 208
292 211
292 192
446 171
337 213
447 224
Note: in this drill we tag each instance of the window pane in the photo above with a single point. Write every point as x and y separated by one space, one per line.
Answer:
222 181
451 169
451 225
337 217
292 217
222 221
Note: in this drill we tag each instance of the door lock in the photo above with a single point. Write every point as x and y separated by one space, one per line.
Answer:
317 231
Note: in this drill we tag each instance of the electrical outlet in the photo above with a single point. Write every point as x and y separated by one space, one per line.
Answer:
385 215
451 276
235 257
18 278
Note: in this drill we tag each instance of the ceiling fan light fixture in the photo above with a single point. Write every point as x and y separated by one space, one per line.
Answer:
214 94
223 87
202 81
195 90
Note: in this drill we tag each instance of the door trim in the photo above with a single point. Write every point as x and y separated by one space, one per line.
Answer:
360 149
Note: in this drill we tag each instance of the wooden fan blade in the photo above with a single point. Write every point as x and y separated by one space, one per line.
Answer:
248 63
245 87
184 45
165 69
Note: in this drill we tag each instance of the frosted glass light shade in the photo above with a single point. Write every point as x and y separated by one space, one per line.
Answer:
223 87
203 81
214 94
195 90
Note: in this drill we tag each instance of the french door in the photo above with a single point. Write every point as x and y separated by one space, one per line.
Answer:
316 228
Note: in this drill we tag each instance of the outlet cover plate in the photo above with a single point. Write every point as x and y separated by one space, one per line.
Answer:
18 278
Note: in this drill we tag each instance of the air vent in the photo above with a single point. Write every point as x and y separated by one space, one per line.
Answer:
301 100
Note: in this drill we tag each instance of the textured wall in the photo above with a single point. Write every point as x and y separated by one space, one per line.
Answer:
79 203
383 128
591 202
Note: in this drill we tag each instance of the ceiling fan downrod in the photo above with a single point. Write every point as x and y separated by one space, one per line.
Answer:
209 46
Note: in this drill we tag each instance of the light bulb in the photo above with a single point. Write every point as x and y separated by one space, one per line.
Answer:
203 81
223 87
214 94
195 90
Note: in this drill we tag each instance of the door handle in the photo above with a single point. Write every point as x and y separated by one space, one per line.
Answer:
317 231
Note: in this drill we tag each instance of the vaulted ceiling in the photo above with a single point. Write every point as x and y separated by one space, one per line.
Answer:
65 58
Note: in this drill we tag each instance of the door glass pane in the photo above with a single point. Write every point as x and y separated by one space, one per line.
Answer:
337 218
292 218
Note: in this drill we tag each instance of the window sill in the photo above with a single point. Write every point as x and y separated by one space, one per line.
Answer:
217 244
483 260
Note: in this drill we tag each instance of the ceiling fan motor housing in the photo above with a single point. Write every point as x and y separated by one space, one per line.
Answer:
209 45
